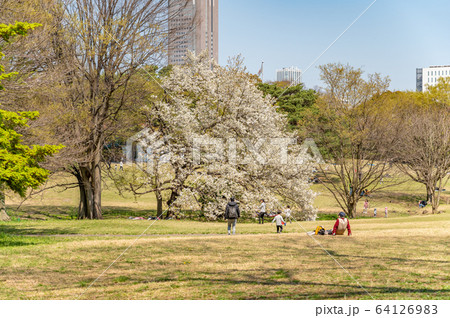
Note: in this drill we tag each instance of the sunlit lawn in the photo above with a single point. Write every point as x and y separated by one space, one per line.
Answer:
394 258
401 200
45 253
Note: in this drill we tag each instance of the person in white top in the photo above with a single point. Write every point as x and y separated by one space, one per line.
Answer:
366 206
279 222
287 212
262 212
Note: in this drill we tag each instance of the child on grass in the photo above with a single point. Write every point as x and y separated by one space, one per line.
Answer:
279 222
288 214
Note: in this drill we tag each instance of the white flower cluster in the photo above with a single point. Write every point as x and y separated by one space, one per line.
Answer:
225 139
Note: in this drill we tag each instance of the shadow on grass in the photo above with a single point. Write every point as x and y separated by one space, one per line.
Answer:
397 259
7 240
282 277
13 228
36 212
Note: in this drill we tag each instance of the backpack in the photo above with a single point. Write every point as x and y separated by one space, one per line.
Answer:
232 212
320 230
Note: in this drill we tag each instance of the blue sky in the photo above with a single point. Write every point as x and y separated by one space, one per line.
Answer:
393 37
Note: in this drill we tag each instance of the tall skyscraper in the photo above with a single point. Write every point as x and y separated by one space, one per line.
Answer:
429 76
193 26
290 74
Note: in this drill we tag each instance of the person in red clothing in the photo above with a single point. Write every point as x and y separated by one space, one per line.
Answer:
341 225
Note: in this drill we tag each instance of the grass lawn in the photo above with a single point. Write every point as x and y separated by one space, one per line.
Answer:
45 253
394 258
401 200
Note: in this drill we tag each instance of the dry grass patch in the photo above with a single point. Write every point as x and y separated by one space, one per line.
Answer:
406 264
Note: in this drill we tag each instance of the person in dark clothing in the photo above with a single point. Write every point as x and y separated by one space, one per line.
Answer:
232 213
262 212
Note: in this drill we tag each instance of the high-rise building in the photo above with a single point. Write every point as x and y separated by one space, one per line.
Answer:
430 76
193 26
291 74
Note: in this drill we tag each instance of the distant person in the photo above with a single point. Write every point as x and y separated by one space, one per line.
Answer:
422 204
262 212
287 212
279 222
232 213
366 206
385 212
375 212
341 225
121 165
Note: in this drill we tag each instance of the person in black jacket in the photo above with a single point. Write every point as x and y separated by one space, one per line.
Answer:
232 213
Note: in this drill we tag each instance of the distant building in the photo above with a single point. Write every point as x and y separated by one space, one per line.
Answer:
429 76
290 74
193 26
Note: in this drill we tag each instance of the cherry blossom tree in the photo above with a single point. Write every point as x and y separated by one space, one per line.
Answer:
220 137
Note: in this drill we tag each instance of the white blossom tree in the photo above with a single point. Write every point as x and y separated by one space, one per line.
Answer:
222 138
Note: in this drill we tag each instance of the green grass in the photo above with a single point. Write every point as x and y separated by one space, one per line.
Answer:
394 258
45 253
401 200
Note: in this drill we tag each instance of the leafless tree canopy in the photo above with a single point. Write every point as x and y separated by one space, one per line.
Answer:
352 132
83 72
423 152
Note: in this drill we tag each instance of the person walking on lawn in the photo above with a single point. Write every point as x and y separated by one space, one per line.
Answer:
366 206
232 213
262 212
288 214
341 225
279 222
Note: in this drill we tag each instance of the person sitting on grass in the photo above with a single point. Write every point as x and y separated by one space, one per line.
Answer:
422 203
341 225
279 222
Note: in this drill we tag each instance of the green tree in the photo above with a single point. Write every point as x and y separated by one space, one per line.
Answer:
295 101
7 33
19 163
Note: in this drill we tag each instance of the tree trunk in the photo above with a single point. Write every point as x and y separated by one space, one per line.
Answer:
173 196
351 210
97 187
3 215
82 207
351 206
89 185
159 200
430 192
431 197
436 197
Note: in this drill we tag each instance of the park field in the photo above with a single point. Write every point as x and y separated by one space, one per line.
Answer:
57 203
45 253
393 258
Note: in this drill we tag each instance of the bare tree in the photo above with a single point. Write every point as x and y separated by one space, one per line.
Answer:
82 74
424 149
352 132
109 42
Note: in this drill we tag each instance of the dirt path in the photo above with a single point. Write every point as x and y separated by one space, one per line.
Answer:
134 235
